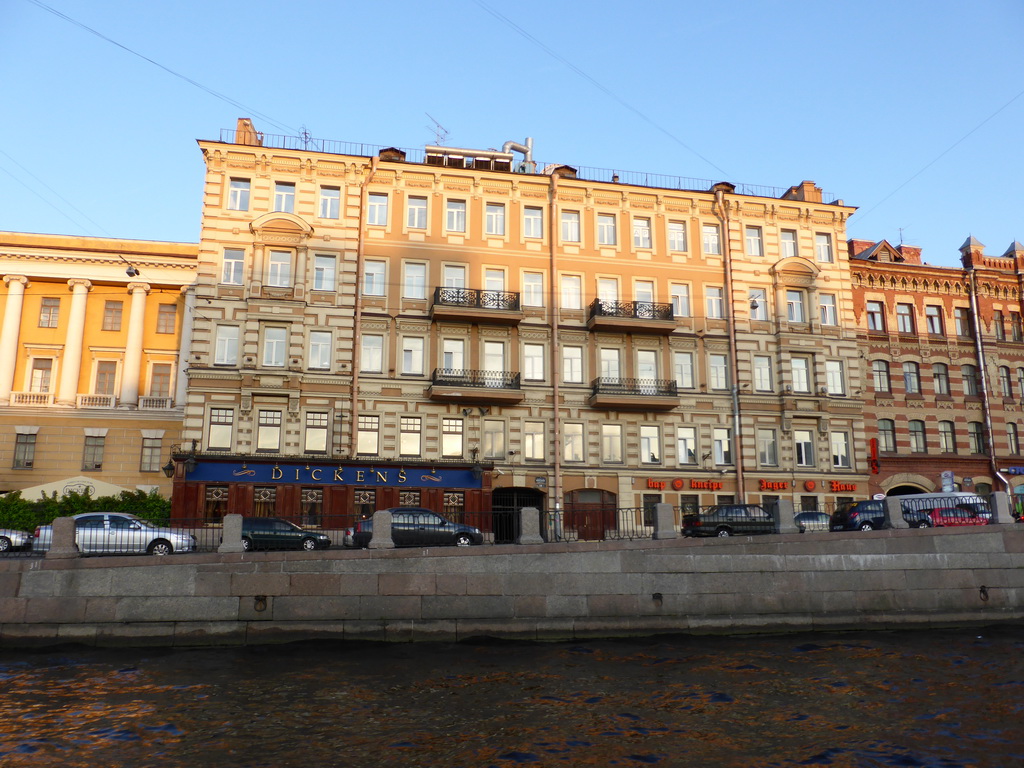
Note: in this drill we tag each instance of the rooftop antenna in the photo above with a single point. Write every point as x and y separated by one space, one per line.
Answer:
440 132
901 235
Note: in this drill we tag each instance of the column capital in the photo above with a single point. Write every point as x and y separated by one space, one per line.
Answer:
8 279
133 287
79 282
187 289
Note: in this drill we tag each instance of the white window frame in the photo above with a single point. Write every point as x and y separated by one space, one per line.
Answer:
572 365
714 301
275 346
455 216
840 443
377 209
767 447
835 379
607 229
800 373
330 202
494 220
414 280
571 291
642 233
534 442
533 289
284 197
533 362
233 266
718 371
415 212
321 345
375 277
238 194
533 223
803 447
686 446
413 355
763 374
325 271
788 246
570 226
677 236
823 247
758 303
611 443
371 353
279 272
711 239
225 351
680 293
721 440
755 241
828 310
796 306
573 444
650 444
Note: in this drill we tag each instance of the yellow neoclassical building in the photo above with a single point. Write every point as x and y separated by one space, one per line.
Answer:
91 381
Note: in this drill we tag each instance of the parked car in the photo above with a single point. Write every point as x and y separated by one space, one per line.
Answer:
416 527
955 516
274 533
729 520
119 533
869 515
12 539
812 521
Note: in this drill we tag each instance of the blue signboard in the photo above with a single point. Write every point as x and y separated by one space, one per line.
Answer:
332 474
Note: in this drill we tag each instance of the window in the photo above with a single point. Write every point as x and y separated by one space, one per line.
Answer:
284 197
880 376
650 444
827 309
1005 384
371 354
412 356
886 435
533 289
92 457
682 369
410 435
324 273
264 499
453 276
166 316
533 440
611 364
611 443
42 367
492 440
455 216
718 371
238 195
912 378
112 315
643 293
416 212
571 226
533 222
414 281
316 433
451 437
1012 438
49 312
572 365
947 437
232 266
676 236
330 202
721 438
226 345
494 363
368 435
714 298
374 273
495 219
918 441
803 442
969 374
823 247
795 307
933 320
274 340
572 292
754 245
940 375
572 436
835 382
905 318
710 239
268 432
24 451
1020 380
686 445
453 355
801 369
160 381
962 321
377 210
106 377
533 362
641 233
767 448
220 429
680 300
280 274
494 280
876 316
320 350
998 326
606 229
763 374
1015 327
976 437
787 238
758 303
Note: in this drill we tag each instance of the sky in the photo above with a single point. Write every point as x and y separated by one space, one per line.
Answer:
909 110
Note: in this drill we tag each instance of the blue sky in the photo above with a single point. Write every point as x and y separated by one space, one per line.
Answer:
909 109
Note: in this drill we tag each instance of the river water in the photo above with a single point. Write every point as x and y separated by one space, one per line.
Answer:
938 699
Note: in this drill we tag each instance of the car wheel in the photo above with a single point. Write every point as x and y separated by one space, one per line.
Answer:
922 524
5 544
309 544
246 544
866 527
463 540
723 532
160 547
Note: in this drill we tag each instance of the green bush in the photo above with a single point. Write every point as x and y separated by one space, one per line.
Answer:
24 515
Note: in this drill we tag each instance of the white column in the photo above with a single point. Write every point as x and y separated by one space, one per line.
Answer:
9 333
187 321
133 348
71 362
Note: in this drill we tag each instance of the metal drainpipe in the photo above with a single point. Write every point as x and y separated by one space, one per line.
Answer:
979 351
358 324
555 349
722 212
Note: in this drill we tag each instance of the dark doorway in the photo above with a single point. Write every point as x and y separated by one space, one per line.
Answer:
505 505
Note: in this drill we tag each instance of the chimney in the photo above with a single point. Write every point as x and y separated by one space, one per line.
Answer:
246 134
805 191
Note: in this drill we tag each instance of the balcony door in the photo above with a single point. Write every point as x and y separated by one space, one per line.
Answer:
494 364
647 371
611 366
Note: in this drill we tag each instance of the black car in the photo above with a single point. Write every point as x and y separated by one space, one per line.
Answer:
416 527
274 533
729 520
869 515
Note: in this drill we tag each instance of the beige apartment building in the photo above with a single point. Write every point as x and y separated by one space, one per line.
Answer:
92 386
469 329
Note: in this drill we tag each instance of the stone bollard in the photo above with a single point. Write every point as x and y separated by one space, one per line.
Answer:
529 526
62 543
665 522
231 535
785 515
381 538
1000 504
893 513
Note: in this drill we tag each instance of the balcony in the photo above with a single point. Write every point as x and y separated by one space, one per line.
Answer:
155 403
32 399
631 317
634 394
455 385
96 401
471 305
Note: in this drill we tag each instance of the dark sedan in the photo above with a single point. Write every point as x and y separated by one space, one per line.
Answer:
416 527
274 533
729 520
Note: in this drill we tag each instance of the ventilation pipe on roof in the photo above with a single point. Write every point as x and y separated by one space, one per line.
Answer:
525 149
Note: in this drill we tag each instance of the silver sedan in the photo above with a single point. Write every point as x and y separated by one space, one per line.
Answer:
12 539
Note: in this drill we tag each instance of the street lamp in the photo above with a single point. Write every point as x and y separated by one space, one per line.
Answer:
168 468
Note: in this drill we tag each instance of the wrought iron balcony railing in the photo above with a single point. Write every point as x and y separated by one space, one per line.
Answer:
471 298
641 310
640 387
459 377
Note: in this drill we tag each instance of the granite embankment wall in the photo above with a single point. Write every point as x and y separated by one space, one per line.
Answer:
882 579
